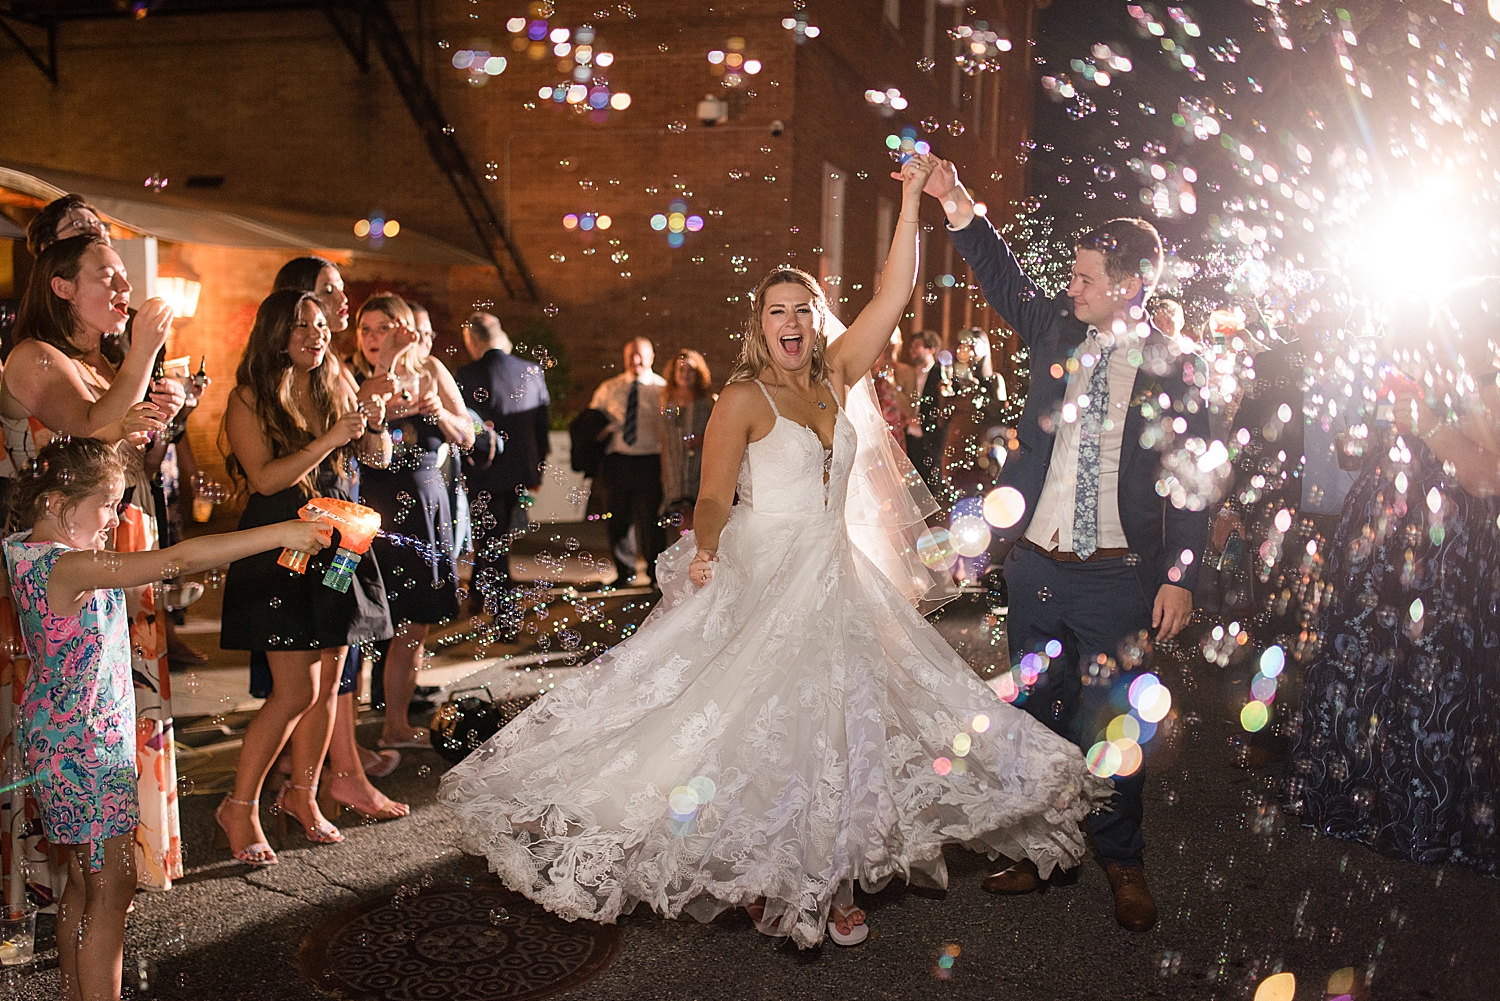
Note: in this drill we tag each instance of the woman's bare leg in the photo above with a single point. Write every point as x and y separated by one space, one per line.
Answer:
348 782
296 676
310 738
401 663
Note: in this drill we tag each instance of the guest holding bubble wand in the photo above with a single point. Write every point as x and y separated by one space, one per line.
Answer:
293 429
78 709
351 767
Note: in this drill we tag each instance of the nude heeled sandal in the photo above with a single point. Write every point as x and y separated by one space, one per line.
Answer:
322 833
258 854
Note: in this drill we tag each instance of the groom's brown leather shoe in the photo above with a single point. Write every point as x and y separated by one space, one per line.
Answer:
1016 878
1023 877
1135 909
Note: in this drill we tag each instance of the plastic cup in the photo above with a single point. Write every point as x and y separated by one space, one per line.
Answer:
17 935
203 509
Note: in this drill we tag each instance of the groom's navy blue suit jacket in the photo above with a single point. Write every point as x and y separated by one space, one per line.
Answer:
1156 531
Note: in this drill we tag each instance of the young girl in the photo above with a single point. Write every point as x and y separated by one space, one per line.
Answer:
78 712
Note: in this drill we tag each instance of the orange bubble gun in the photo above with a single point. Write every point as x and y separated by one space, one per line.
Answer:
357 526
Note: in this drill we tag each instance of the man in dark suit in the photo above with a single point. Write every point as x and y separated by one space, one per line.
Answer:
927 433
510 397
1101 556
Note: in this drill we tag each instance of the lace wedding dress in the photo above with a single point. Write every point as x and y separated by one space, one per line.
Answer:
772 734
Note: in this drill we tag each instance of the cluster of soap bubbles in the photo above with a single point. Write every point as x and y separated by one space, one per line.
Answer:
1119 750
677 222
947 956
980 47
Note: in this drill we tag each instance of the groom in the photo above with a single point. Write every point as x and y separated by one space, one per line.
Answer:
1100 555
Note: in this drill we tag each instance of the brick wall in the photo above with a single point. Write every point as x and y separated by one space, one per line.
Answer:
277 106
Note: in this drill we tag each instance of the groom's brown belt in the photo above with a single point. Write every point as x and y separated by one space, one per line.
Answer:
1062 557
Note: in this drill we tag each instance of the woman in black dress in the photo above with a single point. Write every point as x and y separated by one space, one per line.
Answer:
427 420
294 427
350 766
1398 744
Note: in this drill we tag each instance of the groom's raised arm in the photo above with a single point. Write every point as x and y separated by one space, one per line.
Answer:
1009 291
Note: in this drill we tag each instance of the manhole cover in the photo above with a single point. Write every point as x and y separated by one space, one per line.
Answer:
455 943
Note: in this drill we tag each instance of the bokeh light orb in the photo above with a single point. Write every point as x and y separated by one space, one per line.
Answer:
935 549
1273 661
1277 987
1004 507
1104 759
1156 702
970 535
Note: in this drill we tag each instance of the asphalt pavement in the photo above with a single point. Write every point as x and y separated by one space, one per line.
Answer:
1243 894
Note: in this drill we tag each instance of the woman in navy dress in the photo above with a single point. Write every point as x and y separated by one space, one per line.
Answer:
1398 743
427 419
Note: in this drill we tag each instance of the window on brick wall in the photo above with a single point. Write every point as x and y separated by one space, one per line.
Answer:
885 229
893 13
831 265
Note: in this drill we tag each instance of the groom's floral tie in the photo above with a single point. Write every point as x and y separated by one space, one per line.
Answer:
1086 488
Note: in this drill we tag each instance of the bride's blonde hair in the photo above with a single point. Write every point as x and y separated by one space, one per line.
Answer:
755 356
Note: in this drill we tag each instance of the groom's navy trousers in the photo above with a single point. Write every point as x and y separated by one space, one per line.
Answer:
1089 608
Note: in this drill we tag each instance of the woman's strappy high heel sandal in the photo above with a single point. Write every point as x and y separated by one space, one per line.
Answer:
259 854
321 833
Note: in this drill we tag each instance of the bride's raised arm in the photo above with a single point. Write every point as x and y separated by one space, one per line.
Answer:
858 348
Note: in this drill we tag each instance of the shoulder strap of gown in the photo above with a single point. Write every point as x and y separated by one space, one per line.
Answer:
767 394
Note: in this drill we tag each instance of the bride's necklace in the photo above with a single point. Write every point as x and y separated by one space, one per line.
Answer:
818 403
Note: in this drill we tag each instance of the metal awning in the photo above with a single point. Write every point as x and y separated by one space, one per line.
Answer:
177 220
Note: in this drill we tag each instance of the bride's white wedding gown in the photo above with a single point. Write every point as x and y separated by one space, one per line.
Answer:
772 734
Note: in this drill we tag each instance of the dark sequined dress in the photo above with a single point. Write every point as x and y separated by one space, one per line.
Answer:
416 548
1400 720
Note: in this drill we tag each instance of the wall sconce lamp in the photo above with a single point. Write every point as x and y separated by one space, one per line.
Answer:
181 294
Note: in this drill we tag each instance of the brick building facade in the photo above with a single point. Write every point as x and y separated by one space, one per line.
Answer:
275 105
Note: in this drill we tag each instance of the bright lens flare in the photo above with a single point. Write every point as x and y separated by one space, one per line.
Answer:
1411 244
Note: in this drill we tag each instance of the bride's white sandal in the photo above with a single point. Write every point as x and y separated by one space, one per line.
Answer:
858 931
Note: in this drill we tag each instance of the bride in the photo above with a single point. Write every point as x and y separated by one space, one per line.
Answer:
784 723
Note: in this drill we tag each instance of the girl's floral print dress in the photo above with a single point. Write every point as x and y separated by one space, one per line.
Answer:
78 711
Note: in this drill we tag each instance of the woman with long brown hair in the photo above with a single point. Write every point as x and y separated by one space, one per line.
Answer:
428 419
294 429
60 380
686 401
351 767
